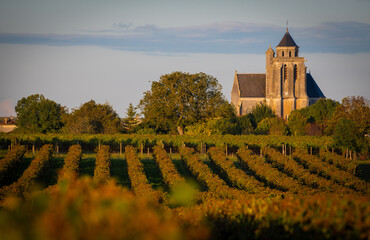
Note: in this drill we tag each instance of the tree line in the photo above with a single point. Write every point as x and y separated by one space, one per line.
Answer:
193 104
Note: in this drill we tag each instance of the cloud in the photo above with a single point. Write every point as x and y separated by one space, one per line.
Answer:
336 37
7 108
223 37
122 25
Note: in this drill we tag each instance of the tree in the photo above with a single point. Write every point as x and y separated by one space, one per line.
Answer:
262 111
93 118
320 112
131 119
246 124
180 99
272 126
39 115
297 123
348 135
355 109
214 126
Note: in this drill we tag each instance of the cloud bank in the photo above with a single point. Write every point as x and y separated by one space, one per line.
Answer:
220 38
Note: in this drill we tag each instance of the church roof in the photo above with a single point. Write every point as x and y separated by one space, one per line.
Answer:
252 85
287 41
313 90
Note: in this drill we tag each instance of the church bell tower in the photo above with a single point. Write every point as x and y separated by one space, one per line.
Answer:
286 83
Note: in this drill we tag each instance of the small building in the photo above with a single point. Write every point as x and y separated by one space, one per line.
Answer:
7 125
284 87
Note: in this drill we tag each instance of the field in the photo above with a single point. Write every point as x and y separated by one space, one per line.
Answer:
171 187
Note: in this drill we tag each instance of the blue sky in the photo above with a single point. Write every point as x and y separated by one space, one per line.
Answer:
73 51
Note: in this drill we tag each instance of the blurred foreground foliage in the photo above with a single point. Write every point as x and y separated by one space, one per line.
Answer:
85 209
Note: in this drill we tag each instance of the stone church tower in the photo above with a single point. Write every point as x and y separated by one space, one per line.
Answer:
285 87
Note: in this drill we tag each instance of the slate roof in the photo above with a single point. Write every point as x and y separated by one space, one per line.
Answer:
313 90
287 41
252 85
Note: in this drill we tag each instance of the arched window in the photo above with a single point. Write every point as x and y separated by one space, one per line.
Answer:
282 54
290 53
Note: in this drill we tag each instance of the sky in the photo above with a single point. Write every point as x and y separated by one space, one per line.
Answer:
72 51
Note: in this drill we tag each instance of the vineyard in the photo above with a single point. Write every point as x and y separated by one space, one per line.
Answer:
179 187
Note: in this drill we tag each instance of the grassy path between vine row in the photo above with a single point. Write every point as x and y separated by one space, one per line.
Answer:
119 169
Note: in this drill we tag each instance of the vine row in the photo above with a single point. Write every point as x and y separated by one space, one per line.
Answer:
237 177
139 183
292 168
102 165
270 175
10 161
29 176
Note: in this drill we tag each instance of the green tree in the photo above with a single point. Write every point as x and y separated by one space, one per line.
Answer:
246 124
355 109
226 126
320 112
297 123
272 126
262 111
226 110
36 114
93 118
180 99
214 126
348 135
131 119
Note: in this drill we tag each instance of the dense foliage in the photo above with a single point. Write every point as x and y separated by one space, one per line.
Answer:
262 111
90 141
38 115
180 99
92 118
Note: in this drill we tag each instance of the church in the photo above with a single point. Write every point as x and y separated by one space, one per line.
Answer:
286 85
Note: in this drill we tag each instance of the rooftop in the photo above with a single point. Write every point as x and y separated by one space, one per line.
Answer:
287 41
